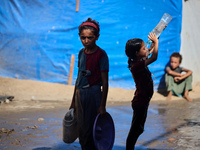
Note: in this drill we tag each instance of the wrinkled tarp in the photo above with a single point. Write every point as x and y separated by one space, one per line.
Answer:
37 38
190 38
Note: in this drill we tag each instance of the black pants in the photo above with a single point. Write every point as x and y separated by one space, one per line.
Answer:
137 126
87 103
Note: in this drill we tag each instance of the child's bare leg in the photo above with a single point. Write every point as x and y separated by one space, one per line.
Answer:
186 96
169 96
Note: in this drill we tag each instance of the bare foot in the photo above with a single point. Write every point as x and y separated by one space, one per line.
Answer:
187 97
169 96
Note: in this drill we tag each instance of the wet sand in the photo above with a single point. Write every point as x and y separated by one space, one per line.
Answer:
33 120
38 125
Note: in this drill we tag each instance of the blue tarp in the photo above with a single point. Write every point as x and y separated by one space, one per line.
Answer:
37 38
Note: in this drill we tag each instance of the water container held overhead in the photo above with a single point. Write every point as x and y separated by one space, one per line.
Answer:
164 21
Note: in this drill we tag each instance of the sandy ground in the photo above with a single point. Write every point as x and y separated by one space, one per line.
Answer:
37 91
33 120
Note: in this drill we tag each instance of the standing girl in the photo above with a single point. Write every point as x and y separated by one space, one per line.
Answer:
91 87
137 60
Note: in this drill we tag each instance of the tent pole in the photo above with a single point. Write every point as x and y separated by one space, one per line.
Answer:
77 5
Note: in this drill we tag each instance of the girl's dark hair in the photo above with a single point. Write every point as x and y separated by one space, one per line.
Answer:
94 30
132 47
177 55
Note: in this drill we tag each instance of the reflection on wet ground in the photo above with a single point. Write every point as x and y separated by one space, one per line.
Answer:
166 126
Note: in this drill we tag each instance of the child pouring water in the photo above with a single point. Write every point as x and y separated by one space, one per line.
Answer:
137 62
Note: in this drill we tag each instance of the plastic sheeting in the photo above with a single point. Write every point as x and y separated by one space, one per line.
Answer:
190 38
38 37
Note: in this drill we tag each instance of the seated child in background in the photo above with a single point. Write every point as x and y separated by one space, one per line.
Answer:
176 82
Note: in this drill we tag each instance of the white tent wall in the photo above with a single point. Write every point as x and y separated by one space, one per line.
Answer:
190 38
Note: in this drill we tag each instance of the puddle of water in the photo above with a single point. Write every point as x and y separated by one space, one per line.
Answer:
49 132
122 116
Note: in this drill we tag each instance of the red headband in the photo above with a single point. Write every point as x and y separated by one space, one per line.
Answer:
89 24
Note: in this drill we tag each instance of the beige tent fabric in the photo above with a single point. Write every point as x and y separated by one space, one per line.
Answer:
190 38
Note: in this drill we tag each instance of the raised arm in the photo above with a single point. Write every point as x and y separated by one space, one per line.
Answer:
151 48
154 39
